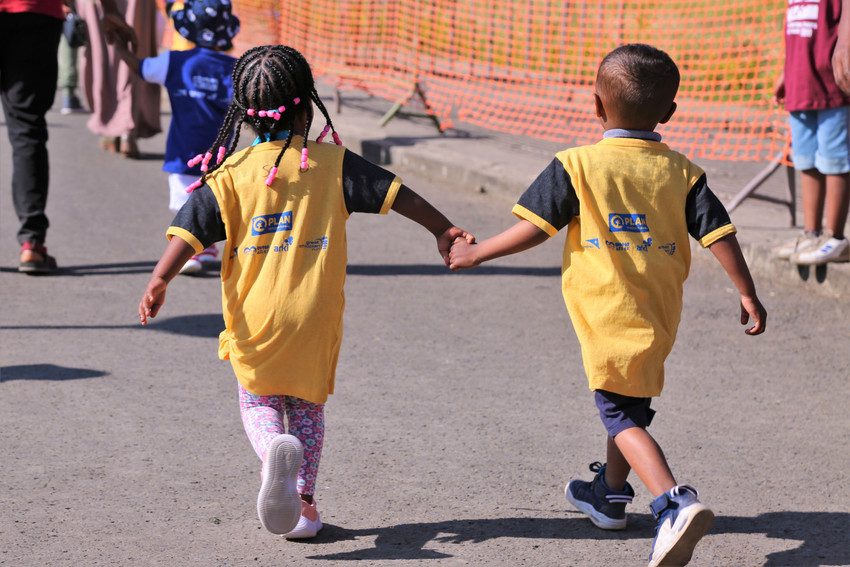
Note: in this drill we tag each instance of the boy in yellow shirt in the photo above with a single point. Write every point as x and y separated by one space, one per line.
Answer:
629 203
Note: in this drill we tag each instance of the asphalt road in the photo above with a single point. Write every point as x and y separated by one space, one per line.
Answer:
461 407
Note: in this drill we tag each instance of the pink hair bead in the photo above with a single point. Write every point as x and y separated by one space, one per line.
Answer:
323 134
271 176
337 141
205 165
195 160
296 100
262 113
281 108
276 115
221 151
250 112
193 186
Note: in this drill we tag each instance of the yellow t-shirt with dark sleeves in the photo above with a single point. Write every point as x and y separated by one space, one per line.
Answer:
629 205
283 270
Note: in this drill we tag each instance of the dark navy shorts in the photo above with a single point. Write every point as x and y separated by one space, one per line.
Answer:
619 412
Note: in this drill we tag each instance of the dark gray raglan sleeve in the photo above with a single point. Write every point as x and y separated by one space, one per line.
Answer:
367 188
200 217
550 202
707 218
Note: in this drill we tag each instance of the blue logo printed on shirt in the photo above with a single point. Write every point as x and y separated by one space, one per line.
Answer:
624 222
669 248
267 224
316 244
592 243
645 246
618 246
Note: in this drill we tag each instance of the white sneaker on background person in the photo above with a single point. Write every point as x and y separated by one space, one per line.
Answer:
829 249
804 241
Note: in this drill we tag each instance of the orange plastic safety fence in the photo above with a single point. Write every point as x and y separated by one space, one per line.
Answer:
528 67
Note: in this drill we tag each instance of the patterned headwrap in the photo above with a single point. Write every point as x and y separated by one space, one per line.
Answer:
207 23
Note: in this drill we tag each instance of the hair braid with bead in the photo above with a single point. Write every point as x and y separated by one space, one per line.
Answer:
271 86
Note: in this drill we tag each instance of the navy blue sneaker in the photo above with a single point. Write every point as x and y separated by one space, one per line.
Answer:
681 522
606 508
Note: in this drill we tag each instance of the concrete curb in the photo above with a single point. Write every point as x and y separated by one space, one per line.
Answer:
506 169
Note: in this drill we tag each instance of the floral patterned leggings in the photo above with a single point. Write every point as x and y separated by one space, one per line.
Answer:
262 417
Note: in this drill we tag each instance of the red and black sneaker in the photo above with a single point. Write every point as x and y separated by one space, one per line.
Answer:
35 260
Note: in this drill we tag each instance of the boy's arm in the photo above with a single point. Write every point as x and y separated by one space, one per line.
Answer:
131 59
521 236
115 28
841 54
176 254
728 253
408 204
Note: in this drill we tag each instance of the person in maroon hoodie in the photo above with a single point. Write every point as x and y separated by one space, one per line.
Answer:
29 39
814 89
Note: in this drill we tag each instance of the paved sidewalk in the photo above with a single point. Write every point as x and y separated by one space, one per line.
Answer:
461 407
474 159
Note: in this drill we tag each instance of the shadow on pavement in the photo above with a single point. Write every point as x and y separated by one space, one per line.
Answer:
207 325
46 372
439 270
824 535
98 269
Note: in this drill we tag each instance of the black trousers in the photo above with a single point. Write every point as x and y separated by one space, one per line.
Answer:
28 69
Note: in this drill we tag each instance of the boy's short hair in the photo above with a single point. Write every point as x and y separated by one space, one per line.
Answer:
641 81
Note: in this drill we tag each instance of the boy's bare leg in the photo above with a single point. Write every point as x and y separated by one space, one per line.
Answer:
616 468
640 450
837 201
814 192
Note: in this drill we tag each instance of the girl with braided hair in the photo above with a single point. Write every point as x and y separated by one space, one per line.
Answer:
281 204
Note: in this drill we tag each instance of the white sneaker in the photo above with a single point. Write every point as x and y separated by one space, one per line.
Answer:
829 250
681 521
278 503
804 241
308 525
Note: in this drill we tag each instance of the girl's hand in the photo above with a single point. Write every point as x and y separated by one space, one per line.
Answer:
463 255
152 300
779 90
449 236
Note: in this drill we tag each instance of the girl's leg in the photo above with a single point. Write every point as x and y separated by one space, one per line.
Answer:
262 417
307 423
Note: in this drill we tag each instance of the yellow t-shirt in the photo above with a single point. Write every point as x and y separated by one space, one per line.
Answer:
629 205
283 270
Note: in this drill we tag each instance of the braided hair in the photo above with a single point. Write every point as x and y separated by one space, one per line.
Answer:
271 83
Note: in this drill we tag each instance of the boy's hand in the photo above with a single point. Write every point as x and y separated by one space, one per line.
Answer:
752 307
152 300
450 236
779 90
463 255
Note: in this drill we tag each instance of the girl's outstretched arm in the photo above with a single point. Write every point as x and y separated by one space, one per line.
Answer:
176 254
407 203
521 236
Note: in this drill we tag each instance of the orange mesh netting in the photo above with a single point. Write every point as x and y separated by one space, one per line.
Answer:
528 67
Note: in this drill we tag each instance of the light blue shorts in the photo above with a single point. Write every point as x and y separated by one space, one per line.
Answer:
819 140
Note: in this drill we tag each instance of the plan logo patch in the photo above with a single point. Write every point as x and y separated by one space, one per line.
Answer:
592 243
623 222
268 224
669 248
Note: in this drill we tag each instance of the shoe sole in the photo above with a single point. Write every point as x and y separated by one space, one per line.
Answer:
821 262
278 503
599 520
190 268
680 553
